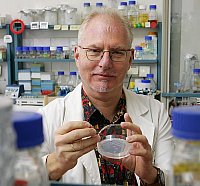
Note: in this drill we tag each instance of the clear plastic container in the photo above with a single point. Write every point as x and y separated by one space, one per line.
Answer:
123 9
133 14
113 142
86 10
138 53
185 169
7 142
29 168
70 15
39 15
61 14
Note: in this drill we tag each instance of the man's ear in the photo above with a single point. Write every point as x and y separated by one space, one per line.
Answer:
76 54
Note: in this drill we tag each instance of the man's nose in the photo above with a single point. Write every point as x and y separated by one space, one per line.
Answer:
105 61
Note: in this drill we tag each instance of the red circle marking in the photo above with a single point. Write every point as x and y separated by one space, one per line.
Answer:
18 31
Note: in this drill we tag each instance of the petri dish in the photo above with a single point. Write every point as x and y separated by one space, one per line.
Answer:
113 142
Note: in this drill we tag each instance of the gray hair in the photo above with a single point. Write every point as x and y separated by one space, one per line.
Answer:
109 12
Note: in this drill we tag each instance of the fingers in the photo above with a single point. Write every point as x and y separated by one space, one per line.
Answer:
73 125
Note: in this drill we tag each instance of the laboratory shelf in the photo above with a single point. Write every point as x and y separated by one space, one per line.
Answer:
144 61
180 95
41 60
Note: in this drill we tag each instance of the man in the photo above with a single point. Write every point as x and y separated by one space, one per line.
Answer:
103 57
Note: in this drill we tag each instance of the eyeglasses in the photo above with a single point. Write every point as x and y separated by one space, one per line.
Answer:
115 55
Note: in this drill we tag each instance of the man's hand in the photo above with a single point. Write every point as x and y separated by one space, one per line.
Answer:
140 158
72 140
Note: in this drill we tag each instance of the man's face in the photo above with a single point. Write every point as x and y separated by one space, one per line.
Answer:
103 75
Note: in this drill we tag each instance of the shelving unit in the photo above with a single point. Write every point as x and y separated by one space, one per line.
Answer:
180 95
18 40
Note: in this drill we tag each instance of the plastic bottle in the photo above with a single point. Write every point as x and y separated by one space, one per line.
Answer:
143 16
7 142
153 16
133 14
66 52
185 170
123 9
195 84
61 84
86 10
29 169
72 81
153 86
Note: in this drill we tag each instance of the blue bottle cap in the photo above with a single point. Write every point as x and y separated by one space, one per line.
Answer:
72 73
145 81
39 49
46 49
186 122
61 73
25 48
148 38
123 3
32 48
19 49
99 4
131 2
150 76
152 7
86 4
138 48
29 129
196 70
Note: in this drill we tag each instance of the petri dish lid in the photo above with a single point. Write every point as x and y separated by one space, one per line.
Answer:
113 142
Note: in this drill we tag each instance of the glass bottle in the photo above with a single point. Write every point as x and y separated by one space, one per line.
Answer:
59 52
18 52
53 52
153 16
29 169
195 84
138 53
46 52
155 43
39 52
32 52
86 10
143 16
7 142
72 81
61 84
153 86
133 14
25 52
123 9
149 48
185 169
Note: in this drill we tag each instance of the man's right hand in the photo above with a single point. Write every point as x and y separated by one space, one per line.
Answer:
72 140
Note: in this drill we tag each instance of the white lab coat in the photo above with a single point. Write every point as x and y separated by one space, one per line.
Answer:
146 112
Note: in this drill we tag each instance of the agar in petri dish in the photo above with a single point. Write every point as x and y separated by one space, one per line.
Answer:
113 142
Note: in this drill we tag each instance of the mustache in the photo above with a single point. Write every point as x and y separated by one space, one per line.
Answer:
101 73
